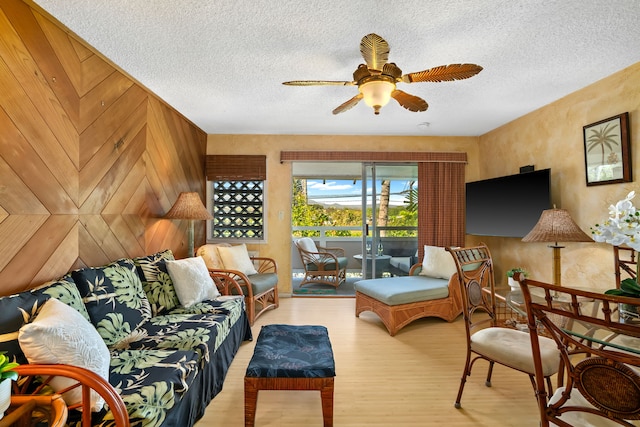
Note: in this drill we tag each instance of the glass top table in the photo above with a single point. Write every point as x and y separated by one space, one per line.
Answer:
596 334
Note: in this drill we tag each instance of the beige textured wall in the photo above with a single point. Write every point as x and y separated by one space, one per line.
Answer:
278 244
552 137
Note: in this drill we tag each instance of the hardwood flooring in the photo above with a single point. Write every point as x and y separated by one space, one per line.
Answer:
408 380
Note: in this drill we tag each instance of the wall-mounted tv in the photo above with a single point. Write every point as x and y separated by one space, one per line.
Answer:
508 206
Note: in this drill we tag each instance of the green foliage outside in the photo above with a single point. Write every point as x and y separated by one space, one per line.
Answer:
315 215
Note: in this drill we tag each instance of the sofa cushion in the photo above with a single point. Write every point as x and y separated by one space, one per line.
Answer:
19 309
59 334
66 291
114 298
156 281
178 330
151 381
237 258
404 290
437 263
191 280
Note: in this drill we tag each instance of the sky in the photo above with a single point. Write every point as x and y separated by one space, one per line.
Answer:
346 193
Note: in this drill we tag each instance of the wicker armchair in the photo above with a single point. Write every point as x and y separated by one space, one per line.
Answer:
258 282
600 354
321 265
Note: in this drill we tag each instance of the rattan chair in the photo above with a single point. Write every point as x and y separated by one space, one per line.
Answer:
321 264
260 289
486 338
626 263
601 356
82 379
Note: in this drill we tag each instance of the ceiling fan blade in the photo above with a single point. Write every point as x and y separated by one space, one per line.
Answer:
410 102
375 51
318 83
348 105
443 73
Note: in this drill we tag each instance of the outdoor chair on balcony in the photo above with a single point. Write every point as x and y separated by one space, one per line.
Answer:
321 265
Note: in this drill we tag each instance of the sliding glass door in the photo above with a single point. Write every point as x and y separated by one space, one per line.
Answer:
368 209
389 218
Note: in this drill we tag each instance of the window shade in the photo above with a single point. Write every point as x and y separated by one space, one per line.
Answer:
236 168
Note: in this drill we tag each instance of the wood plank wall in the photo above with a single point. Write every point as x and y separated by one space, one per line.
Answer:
89 159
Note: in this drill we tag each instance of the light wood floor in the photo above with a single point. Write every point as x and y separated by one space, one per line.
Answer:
408 380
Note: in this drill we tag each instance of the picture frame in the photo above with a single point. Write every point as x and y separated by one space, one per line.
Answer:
607 151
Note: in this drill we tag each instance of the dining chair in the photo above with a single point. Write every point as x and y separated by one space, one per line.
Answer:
486 338
626 263
600 354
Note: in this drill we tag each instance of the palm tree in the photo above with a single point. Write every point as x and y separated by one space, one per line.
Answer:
602 137
383 211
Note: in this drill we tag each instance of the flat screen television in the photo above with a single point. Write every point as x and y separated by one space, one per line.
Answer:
508 206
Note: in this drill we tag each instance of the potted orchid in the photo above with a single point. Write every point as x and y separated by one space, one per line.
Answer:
7 374
622 228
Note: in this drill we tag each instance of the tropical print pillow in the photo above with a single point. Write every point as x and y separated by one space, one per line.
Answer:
65 290
115 300
156 281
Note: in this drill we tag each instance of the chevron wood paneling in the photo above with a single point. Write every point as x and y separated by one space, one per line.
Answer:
89 159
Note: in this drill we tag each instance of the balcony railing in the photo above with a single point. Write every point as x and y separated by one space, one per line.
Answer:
350 239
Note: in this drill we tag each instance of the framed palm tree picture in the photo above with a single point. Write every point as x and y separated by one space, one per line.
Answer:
607 151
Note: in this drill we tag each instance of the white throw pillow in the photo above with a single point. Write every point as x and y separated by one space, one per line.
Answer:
59 334
237 258
191 280
307 244
437 263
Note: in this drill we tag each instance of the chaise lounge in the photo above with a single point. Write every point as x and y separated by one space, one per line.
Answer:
430 290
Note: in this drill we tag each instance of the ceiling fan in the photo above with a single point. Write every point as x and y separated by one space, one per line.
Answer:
376 80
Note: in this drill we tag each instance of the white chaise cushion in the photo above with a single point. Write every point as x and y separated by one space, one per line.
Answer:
438 263
59 334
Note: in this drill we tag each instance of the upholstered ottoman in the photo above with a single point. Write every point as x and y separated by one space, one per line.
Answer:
288 357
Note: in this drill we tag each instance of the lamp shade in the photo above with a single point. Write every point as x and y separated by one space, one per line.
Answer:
188 206
556 225
377 93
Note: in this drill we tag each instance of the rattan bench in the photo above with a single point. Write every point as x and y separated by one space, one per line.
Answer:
288 357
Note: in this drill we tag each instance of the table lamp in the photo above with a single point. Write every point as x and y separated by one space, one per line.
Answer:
556 225
189 206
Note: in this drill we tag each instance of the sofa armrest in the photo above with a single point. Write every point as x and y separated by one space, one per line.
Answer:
87 380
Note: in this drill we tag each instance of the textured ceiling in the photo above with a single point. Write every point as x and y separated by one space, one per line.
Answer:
221 63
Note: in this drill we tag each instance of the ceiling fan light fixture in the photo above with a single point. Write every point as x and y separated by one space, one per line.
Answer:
377 93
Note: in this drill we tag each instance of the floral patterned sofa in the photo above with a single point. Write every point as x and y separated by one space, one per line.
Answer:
125 321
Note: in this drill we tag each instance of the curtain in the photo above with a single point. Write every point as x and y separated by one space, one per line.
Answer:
441 196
